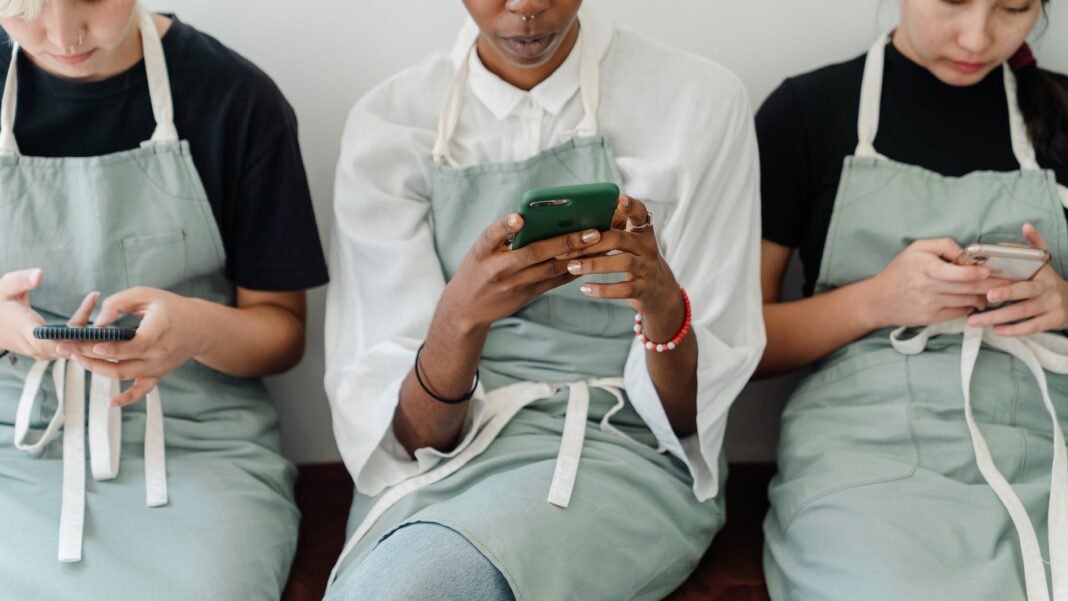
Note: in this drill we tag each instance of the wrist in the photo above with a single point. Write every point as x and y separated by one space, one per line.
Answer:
197 316
866 297
663 325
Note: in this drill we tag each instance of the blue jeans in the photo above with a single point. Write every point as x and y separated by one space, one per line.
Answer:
423 561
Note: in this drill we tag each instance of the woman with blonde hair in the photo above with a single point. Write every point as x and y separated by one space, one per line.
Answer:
145 164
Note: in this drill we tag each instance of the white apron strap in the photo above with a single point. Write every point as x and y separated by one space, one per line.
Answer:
590 90
72 510
105 428
871 96
25 409
567 460
1021 142
159 83
8 146
155 452
1039 352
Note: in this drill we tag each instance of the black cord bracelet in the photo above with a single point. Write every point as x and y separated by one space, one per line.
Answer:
419 378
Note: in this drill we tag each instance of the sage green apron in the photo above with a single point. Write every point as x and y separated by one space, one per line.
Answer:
882 490
221 523
632 513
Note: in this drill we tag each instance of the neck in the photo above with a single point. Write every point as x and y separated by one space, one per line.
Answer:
525 78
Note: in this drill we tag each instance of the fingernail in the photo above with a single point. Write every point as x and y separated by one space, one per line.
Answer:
101 350
574 266
591 236
626 202
993 297
512 220
34 274
586 289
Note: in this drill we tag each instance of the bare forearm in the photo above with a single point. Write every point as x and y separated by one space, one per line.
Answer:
448 364
804 331
249 341
674 373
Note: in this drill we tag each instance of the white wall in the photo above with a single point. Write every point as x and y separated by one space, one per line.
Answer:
325 54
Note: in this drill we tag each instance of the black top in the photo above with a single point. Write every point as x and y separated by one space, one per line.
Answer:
242 135
808 126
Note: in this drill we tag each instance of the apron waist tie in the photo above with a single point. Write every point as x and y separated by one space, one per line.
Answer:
105 442
501 406
1039 352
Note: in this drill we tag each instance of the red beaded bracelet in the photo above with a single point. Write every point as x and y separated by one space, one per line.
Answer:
674 342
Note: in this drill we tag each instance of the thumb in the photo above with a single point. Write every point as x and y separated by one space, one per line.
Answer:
946 249
118 304
16 283
1035 237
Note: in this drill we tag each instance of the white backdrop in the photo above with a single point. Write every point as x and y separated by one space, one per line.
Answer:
325 54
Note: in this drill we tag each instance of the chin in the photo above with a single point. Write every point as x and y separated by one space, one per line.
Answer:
953 77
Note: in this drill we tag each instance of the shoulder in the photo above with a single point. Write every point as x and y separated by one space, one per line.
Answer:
710 98
200 66
1060 78
833 89
411 99
660 67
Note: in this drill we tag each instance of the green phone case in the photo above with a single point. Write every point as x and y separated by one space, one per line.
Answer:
550 212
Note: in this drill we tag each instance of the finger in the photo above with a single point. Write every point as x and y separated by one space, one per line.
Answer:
497 235
1040 323
1018 291
956 301
614 240
636 212
948 272
1007 314
945 248
951 314
619 263
80 319
550 248
16 283
146 338
619 290
980 288
619 218
535 274
140 388
121 370
544 286
131 300
1035 237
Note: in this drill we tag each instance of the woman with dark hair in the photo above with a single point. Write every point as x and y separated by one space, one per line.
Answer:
916 463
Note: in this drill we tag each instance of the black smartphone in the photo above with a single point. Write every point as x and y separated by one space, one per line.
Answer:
108 334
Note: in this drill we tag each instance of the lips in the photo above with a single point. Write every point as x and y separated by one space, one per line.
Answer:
73 59
529 46
967 68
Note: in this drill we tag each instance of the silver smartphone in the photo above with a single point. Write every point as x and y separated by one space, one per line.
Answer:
1014 262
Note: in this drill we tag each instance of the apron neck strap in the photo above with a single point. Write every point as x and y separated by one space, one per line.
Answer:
871 93
589 86
159 83
8 146
159 88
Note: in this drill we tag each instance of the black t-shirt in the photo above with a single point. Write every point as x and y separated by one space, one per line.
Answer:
808 126
242 135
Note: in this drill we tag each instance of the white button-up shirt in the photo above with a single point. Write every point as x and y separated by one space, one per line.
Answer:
681 129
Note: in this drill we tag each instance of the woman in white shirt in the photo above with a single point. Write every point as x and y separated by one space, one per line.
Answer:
477 490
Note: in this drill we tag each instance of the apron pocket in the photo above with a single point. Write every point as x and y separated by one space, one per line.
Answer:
156 260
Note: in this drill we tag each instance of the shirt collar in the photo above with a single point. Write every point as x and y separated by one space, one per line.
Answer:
502 98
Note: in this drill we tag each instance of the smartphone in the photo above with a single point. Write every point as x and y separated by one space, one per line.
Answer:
108 334
1006 261
550 212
